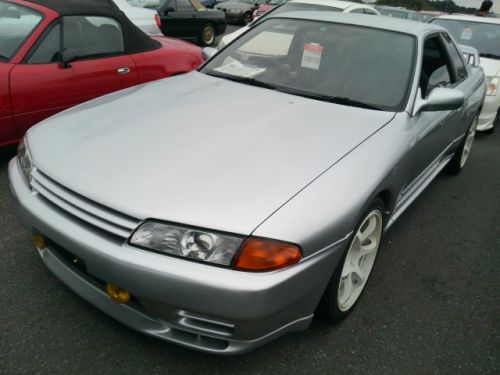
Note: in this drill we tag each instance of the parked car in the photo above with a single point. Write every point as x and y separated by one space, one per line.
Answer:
208 3
189 19
145 19
297 5
265 7
427 15
402 13
99 54
483 34
238 11
223 232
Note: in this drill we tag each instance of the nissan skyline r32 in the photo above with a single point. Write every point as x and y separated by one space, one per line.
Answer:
221 233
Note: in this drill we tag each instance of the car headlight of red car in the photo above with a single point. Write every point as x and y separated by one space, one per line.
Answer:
25 160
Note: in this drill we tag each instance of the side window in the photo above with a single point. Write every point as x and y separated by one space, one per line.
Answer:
359 10
435 66
48 51
184 6
92 36
461 71
369 11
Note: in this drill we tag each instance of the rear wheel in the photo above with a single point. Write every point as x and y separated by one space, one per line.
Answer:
207 36
462 153
351 275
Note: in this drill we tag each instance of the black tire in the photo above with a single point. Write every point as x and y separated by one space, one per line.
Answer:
456 164
328 309
247 18
207 35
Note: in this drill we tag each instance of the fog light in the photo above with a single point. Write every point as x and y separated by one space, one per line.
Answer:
117 294
38 241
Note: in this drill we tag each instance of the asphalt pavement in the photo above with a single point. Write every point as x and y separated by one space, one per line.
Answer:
432 305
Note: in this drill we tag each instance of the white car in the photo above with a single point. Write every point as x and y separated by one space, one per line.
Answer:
145 3
145 19
482 33
297 5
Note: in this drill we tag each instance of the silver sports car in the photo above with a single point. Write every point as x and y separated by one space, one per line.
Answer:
220 231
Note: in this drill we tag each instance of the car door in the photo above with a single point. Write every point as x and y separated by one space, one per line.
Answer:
179 19
42 86
432 130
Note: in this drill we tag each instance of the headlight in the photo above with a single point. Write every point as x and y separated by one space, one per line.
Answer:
256 254
24 159
492 86
187 242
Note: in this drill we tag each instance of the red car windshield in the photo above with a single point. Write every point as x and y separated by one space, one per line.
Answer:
16 24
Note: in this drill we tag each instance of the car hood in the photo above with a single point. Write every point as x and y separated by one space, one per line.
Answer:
198 150
234 5
491 67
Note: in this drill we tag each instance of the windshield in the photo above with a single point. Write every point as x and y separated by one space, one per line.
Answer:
325 61
485 37
16 24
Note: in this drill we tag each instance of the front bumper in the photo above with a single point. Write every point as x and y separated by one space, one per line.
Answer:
489 112
208 308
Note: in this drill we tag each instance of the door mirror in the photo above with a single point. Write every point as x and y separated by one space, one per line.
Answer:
440 99
470 54
69 55
208 52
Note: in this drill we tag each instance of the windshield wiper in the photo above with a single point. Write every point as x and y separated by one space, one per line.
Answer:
245 80
338 100
490 55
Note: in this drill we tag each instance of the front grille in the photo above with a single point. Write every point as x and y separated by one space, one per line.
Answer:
82 208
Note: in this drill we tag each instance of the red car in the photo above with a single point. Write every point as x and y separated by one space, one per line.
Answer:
265 7
55 54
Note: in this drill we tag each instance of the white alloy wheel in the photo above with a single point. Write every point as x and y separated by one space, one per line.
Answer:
468 143
359 260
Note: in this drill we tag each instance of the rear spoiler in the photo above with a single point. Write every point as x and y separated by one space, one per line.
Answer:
471 55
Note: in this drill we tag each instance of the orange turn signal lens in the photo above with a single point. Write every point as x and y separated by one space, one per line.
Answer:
39 241
265 255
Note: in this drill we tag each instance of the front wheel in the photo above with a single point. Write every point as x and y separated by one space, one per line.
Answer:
247 18
207 36
462 153
351 275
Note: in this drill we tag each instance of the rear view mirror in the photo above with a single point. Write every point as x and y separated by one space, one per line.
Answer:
68 55
440 99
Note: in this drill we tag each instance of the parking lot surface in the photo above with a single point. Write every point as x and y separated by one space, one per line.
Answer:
432 304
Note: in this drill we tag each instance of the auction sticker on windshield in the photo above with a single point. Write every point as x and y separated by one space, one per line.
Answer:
466 34
312 56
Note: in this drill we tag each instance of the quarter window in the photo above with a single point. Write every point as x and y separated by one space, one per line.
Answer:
93 37
48 51
435 66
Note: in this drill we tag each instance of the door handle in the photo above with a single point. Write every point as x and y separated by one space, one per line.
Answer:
125 70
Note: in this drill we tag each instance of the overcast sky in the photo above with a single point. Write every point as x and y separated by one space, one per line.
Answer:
477 3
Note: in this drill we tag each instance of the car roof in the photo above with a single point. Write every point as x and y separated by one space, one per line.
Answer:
384 23
71 7
332 3
135 40
457 17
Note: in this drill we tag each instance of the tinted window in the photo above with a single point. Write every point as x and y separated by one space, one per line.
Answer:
358 11
483 36
324 61
435 70
461 72
184 6
16 24
93 37
49 50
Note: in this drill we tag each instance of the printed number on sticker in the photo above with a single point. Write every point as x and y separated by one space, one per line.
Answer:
312 56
